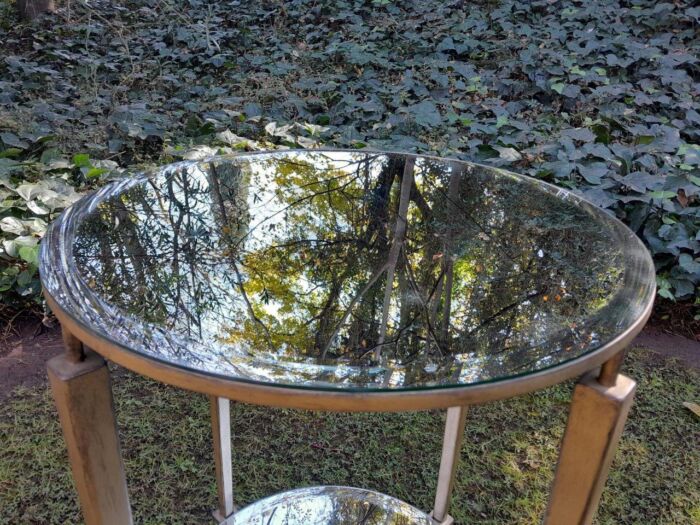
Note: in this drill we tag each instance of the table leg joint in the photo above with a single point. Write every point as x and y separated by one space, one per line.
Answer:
596 419
83 395
446 520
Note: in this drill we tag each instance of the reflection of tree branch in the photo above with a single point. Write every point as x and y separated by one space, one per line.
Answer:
397 243
448 258
272 515
420 201
235 245
405 326
503 310
176 235
249 306
455 202
368 512
373 279
378 203
232 260
325 242
308 184
414 284
433 305
192 246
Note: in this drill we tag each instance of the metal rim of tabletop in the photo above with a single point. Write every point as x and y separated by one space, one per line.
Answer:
350 400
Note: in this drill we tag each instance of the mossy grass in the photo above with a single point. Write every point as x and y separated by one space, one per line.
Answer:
509 453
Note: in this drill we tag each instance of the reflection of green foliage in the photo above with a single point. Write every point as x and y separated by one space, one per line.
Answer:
425 267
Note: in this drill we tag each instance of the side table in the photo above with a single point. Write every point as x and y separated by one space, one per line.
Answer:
344 281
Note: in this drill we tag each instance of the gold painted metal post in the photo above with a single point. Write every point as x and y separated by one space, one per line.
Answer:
451 446
75 352
611 369
83 396
596 419
221 432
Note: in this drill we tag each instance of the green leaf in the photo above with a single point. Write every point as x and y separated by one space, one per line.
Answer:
687 262
50 155
93 173
558 87
10 139
25 278
662 194
508 154
664 288
82 160
30 254
10 153
644 139
7 279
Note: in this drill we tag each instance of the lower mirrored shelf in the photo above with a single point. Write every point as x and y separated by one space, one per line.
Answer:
329 505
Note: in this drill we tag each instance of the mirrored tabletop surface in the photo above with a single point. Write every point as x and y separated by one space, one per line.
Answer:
329 506
347 270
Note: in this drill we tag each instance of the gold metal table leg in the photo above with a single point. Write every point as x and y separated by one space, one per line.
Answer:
451 446
82 391
221 431
596 419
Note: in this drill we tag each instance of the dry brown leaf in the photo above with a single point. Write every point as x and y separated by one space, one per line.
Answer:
693 407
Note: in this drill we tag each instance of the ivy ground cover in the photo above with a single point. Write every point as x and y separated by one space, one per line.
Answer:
599 97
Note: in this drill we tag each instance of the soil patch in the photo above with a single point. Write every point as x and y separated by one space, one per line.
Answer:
23 355
676 318
670 345
23 360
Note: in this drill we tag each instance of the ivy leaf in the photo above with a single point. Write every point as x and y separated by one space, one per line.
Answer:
93 173
8 166
662 194
30 254
81 160
508 154
558 87
12 225
426 114
691 266
664 288
580 134
10 139
593 173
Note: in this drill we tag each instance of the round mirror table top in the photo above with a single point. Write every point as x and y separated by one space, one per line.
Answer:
347 271
329 505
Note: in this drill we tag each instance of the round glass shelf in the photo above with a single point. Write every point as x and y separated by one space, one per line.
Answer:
329 506
346 270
